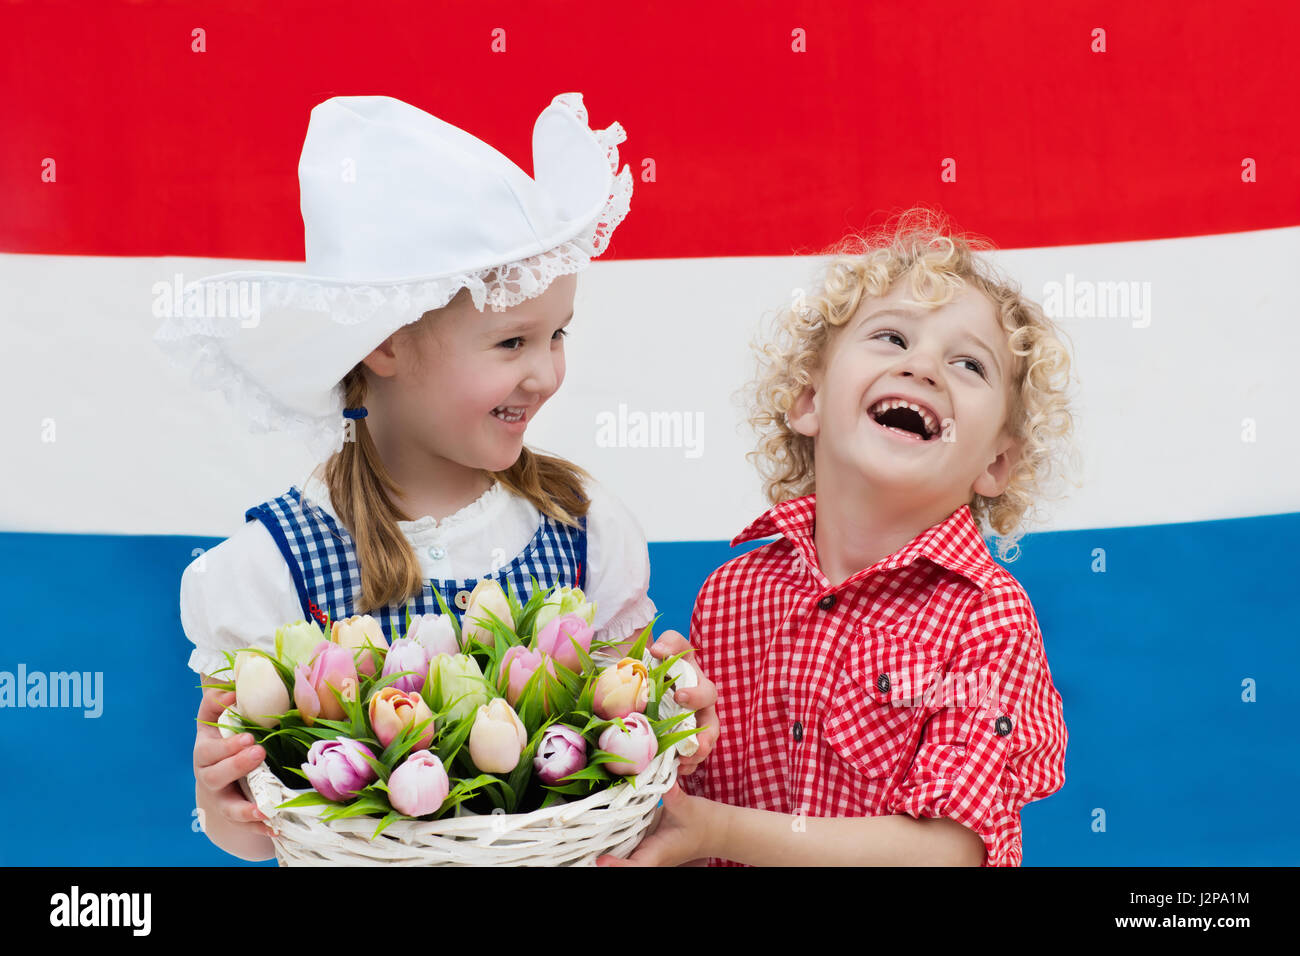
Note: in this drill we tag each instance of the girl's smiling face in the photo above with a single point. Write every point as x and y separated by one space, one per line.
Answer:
952 362
464 385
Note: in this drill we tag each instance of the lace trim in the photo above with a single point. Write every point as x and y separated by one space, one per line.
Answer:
315 492
182 338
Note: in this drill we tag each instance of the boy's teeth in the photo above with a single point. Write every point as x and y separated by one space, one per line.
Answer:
880 408
508 414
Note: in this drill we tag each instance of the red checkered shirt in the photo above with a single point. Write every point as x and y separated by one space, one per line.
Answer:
917 686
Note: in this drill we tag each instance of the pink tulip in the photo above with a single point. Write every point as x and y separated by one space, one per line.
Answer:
518 665
621 689
332 668
336 768
419 785
557 638
407 655
392 710
560 752
638 744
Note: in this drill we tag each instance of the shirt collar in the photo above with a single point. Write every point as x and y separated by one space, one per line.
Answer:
954 543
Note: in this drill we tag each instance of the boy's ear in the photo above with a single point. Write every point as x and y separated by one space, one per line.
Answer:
803 413
995 478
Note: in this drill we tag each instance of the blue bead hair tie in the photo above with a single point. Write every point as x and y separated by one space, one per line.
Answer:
355 412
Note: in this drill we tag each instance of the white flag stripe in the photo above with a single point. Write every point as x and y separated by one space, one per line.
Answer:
1186 406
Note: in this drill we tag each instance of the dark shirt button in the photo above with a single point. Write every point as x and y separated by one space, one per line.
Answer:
797 730
882 683
1004 726
827 602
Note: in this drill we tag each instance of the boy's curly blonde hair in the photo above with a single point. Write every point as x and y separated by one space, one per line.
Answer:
919 246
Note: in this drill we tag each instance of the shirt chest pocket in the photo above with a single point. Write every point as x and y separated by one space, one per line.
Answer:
879 705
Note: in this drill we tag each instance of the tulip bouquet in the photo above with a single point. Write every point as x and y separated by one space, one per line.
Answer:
511 709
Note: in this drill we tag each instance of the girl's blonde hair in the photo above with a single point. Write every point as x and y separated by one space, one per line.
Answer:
360 488
918 245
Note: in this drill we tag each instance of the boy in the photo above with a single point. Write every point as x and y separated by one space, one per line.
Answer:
883 694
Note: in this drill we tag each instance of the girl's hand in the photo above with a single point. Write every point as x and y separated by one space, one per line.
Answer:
700 699
219 763
681 835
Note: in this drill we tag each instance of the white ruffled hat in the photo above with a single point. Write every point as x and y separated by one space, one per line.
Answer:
401 211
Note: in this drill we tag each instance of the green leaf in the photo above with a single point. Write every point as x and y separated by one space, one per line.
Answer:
380 768
638 649
587 699
520 776
388 818
455 621
381 682
659 726
501 631
600 756
312 799
360 807
450 744
669 739
410 735
594 773
595 724
528 613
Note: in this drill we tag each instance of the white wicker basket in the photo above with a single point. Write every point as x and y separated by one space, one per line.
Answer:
566 834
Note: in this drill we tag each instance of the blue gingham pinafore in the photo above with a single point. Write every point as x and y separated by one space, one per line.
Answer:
323 561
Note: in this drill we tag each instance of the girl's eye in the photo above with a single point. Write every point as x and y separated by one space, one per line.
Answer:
560 335
506 344
978 369
892 335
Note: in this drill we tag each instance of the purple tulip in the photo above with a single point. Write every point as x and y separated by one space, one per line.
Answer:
562 751
419 785
638 744
435 633
337 769
557 637
407 655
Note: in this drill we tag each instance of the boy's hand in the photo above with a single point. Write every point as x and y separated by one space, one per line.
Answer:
680 836
700 699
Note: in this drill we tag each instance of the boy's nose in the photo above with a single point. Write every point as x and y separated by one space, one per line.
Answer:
918 363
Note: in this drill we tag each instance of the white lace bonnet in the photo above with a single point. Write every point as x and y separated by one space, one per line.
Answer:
401 211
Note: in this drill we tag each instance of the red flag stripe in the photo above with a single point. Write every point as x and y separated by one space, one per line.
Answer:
755 148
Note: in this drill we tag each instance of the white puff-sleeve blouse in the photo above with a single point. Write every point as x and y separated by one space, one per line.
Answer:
237 593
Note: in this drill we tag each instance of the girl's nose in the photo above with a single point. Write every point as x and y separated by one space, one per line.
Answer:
541 378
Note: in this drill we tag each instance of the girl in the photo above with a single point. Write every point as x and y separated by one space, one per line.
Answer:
420 397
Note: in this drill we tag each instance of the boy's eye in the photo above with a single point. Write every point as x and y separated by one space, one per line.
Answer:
559 335
978 369
507 344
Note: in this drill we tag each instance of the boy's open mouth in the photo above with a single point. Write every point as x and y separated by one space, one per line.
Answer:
906 418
